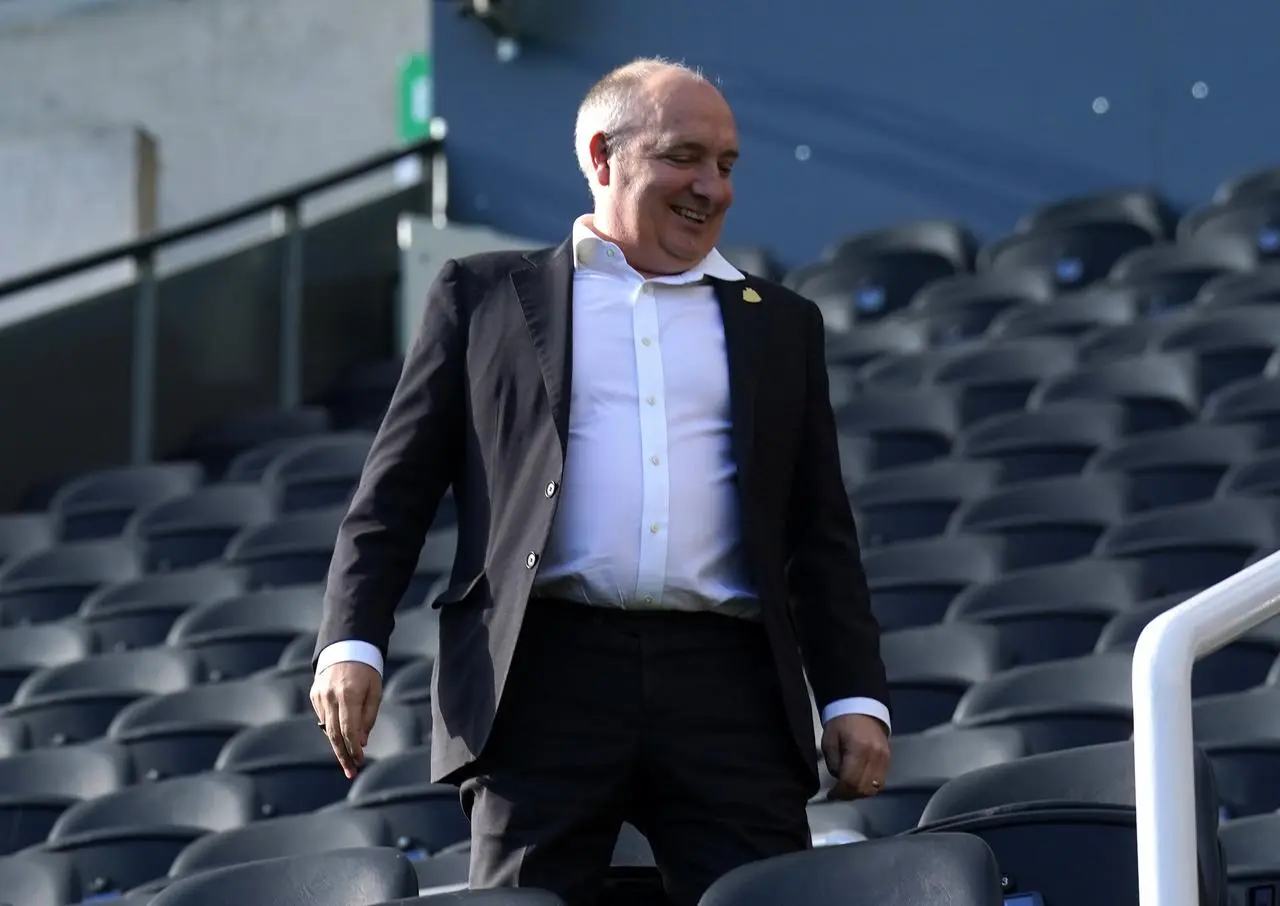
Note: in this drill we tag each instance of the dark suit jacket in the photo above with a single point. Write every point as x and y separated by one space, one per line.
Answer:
483 405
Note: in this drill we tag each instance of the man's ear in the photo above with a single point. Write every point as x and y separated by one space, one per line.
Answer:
599 150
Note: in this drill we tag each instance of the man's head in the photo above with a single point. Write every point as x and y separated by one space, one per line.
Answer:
657 143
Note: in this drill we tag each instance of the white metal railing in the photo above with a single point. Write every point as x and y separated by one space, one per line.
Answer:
1162 741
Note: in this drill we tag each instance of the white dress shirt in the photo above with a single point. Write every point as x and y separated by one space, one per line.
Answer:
648 513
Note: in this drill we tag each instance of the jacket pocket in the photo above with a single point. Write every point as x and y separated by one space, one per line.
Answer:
458 592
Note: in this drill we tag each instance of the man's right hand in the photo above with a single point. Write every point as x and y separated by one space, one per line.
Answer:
346 697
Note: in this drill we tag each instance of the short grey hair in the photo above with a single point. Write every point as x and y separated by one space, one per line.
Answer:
610 105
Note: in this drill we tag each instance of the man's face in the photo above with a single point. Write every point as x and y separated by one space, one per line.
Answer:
669 185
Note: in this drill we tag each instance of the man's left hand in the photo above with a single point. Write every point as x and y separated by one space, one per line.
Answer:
856 749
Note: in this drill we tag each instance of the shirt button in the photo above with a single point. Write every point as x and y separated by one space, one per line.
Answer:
609 252
550 489
653 529
648 599
650 400
531 561
645 341
654 459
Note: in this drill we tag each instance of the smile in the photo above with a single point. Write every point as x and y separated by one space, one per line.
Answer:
689 214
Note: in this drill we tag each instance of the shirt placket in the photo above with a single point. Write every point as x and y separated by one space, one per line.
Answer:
656 481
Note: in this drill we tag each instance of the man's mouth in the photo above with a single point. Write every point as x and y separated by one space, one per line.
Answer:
690 214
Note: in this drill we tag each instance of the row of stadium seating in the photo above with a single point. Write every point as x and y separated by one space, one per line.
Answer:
1042 456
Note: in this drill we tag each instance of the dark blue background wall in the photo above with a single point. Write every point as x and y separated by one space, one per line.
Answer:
914 108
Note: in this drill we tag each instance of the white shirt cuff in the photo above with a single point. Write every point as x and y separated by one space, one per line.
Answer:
350 650
867 706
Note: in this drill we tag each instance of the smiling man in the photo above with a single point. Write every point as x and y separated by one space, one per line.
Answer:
655 551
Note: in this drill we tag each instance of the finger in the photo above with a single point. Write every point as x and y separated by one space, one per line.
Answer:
875 770
369 713
852 766
348 715
333 730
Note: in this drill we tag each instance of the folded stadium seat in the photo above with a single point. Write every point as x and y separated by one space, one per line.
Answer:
181 733
1072 256
273 838
318 472
1056 705
923 762
1230 346
1243 664
235 637
962 308
26 649
444 875
361 395
906 370
834 823
416 635
1179 465
1260 184
139 613
914 582
40 879
435 561
410 685
1120 341
1052 612
1141 207
291 550
130 837
217 445
196 529
1000 377
99 504
1255 221
1168 276
1072 315
1251 847
1241 290
1255 401
843 385
751 259
1240 733
424 817
1052 520
916 502
37 787
1156 391
1064 824
856 455
873 341
1057 439
1258 477
76 702
958 869
904 426
293 766
931 667
1193 545
14 737
249 465
51 584
507 896
346 877
23 534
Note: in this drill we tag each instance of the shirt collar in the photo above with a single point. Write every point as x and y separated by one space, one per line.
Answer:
590 251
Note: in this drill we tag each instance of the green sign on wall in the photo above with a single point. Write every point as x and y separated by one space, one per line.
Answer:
415 97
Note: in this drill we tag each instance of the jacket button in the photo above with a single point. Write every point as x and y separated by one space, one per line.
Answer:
551 489
532 560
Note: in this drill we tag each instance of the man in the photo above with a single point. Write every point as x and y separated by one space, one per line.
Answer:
654 542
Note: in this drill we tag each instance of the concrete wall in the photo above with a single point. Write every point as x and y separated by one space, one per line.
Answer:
241 96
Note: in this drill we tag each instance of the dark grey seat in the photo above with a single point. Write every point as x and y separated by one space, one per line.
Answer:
238 636
140 613
100 504
51 584
196 529
37 787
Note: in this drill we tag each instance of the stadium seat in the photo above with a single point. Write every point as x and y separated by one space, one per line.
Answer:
904 427
40 879
1255 221
1056 705
1156 391
196 529
410 684
1051 612
26 649
51 584
962 308
1255 402
1260 286
1072 255
181 733
293 766
361 395
1251 847
294 549
318 472
22 534
914 582
1168 276
100 504
930 668
37 787
1063 824
900 871
1240 733
917 502
1141 208
365 876
235 637
424 817
873 341
1057 439
1072 315
76 702
130 837
217 445
140 613
1230 346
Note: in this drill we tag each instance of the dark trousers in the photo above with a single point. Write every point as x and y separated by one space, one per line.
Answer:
673 722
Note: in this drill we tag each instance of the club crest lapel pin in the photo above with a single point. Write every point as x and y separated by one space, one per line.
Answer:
750 295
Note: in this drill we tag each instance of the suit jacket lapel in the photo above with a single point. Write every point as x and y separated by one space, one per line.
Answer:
546 292
742 331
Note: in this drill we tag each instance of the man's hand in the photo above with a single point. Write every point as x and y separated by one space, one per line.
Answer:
856 749
346 697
